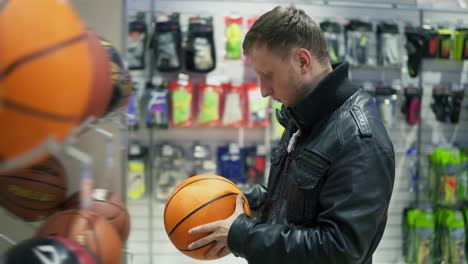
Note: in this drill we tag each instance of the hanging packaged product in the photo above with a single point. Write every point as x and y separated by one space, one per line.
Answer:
256 172
441 103
416 44
408 230
385 97
230 163
450 245
202 160
445 43
169 169
360 43
136 176
388 39
233 35
200 53
462 187
411 170
424 237
431 48
456 96
276 128
136 42
209 105
233 114
181 102
133 111
411 106
460 43
157 109
333 32
167 43
257 107
445 166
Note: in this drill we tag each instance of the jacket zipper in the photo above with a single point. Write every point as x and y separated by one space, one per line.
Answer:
285 173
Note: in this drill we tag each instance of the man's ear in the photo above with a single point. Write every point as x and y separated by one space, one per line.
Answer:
305 59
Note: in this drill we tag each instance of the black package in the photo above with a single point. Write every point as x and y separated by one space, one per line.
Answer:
200 54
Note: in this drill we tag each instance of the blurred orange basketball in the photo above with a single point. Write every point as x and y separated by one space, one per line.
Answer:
45 74
107 205
87 229
196 201
102 83
35 192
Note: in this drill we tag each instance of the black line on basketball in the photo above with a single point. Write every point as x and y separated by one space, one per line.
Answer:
33 180
112 218
204 179
96 240
10 201
41 53
3 3
198 209
188 250
39 113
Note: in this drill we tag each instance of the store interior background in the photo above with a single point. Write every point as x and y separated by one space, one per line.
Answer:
148 242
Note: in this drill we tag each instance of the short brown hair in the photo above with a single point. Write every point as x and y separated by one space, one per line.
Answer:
283 28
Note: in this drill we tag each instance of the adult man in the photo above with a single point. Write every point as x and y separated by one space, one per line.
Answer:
332 173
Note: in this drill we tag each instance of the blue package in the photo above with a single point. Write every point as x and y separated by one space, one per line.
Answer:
157 114
132 110
231 163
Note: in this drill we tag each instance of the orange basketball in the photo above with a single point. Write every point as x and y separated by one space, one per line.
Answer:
45 74
196 201
102 83
107 205
87 229
35 192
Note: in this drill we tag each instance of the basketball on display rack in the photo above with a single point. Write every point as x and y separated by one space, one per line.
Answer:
87 229
42 250
35 192
108 205
196 201
46 76
120 79
102 79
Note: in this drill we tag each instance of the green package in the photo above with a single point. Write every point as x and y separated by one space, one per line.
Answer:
456 234
424 237
459 40
462 187
444 171
233 41
408 228
209 111
181 106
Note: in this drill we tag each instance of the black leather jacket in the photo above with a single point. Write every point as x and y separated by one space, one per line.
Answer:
327 199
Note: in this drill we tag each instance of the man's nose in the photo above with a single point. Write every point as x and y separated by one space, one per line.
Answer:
265 89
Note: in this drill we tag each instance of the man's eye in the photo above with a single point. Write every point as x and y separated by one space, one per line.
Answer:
267 76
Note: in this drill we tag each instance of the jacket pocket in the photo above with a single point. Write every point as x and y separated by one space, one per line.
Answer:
303 186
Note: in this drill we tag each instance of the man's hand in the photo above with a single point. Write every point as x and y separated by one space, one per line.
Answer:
219 231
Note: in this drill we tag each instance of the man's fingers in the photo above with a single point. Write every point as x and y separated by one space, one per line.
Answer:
214 250
239 204
208 228
224 252
202 241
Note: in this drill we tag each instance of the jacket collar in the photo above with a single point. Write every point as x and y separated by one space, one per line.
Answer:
329 94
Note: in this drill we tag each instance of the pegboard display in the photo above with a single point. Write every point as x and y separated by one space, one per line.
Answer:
156 248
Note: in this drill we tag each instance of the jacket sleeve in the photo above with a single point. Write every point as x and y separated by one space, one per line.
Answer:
353 201
256 196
